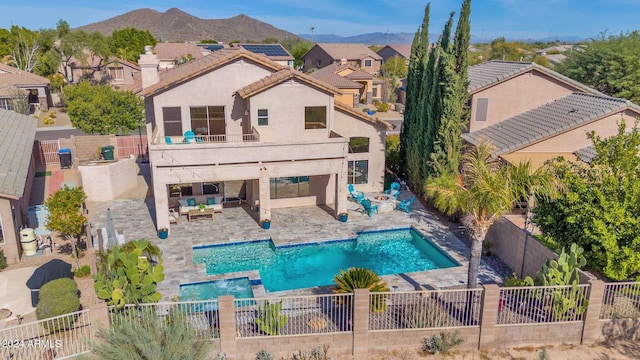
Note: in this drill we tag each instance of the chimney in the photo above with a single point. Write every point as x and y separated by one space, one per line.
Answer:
149 67
343 61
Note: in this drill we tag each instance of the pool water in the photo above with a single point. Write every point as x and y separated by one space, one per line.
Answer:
210 290
316 264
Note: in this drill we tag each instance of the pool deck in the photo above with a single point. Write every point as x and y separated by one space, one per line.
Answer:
239 222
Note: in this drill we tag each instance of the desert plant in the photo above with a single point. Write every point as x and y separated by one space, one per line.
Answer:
264 355
417 316
58 297
382 107
361 278
82 272
543 355
515 281
319 353
150 337
270 320
441 343
3 260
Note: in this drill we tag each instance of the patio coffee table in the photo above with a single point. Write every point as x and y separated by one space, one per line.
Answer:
386 203
196 213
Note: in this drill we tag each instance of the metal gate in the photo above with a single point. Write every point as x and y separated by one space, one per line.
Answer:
46 152
131 145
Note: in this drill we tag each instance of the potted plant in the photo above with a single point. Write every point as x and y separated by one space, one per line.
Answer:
163 233
343 217
266 224
202 207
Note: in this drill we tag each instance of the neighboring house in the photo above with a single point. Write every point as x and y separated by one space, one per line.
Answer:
17 134
275 52
528 112
356 55
401 50
13 79
119 73
263 133
173 54
357 86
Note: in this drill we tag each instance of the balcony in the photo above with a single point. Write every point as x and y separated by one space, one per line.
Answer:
209 139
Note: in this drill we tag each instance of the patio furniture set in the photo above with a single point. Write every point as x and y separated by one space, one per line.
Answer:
385 202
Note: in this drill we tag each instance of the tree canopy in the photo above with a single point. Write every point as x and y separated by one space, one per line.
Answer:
65 214
99 109
600 210
610 64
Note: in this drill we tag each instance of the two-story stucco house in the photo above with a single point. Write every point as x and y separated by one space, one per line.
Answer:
262 133
356 55
355 84
531 113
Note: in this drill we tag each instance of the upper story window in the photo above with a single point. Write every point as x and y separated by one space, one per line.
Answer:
263 117
172 119
315 117
367 63
358 145
116 73
208 120
482 107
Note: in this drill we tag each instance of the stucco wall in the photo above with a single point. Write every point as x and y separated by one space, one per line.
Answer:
11 243
339 344
103 182
507 99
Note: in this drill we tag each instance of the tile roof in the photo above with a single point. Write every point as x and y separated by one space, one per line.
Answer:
548 120
493 72
281 76
348 51
172 77
14 76
361 115
403 50
328 75
17 134
586 154
171 51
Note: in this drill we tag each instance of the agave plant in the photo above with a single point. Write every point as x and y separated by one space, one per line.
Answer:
361 278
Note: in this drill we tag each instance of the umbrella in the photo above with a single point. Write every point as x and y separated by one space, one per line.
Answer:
52 270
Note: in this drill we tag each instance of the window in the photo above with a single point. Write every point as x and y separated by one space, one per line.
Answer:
367 63
208 120
374 92
358 145
482 107
5 104
263 117
358 172
315 117
172 119
177 190
289 187
209 188
116 73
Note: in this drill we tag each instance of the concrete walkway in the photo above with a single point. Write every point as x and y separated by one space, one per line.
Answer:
14 293
239 222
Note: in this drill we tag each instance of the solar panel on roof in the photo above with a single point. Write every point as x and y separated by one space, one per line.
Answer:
213 47
267 49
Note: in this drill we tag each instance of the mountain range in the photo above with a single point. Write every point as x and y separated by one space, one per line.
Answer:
175 25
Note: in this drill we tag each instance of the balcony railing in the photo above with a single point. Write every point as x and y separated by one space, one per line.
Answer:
212 139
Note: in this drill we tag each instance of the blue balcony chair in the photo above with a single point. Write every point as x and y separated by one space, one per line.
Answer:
356 195
406 205
368 208
167 140
189 136
394 190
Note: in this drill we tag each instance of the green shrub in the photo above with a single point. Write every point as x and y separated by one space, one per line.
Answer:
361 278
264 355
382 107
441 343
82 272
3 260
58 297
515 281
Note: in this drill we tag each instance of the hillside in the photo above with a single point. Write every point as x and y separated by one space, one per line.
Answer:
176 26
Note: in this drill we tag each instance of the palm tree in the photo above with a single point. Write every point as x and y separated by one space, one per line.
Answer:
483 192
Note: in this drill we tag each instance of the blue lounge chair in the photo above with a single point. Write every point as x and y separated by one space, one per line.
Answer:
356 196
368 208
406 205
394 190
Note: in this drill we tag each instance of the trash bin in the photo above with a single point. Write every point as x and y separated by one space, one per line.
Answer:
107 152
65 158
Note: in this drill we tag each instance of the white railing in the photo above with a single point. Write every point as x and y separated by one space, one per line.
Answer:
212 139
424 309
201 316
294 315
542 304
621 301
61 337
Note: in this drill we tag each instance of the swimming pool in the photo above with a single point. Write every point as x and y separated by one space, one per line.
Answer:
209 290
315 264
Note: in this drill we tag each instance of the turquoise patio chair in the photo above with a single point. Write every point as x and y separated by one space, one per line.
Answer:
406 205
368 208
167 140
356 195
189 136
393 190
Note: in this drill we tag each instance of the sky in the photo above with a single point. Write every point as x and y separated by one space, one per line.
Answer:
513 19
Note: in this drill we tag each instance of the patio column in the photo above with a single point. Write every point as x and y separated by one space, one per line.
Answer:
264 194
340 199
161 198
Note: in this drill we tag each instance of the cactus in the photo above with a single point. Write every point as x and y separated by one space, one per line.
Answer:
270 320
128 277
